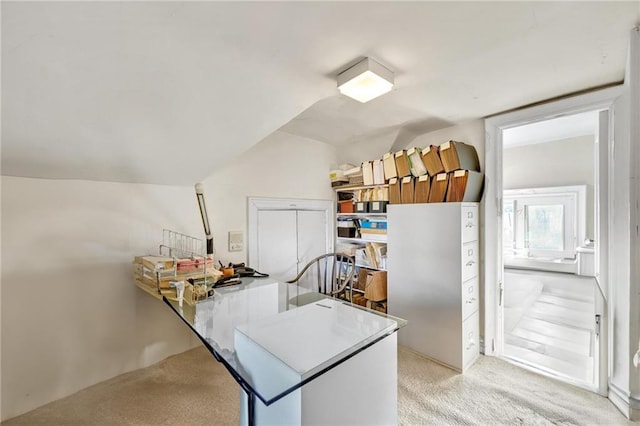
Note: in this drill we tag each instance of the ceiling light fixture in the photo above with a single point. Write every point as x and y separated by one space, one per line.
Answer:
365 80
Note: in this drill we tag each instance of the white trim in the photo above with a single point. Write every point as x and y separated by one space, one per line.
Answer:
628 405
547 372
256 204
620 399
632 78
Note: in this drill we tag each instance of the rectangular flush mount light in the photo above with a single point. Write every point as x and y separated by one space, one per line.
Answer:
365 80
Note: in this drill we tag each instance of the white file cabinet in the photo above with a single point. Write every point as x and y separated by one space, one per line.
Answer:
433 279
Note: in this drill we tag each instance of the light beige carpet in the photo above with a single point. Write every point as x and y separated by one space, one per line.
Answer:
193 389
493 392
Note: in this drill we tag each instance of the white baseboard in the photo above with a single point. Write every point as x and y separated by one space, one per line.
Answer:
621 400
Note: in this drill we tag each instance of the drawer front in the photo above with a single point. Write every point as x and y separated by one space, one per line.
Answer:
470 295
469 224
470 258
470 340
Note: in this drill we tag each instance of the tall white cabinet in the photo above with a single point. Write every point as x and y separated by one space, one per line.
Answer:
433 270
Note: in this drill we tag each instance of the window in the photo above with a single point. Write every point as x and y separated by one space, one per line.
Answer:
544 222
544 228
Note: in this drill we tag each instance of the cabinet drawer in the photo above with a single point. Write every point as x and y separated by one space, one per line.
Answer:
469 224
470 258
470 295
470 340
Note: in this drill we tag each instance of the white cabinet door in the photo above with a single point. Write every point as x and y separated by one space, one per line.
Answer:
277 243
312 241
288 239
312 235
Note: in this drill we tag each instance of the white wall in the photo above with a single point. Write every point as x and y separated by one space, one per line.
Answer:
71 314
370 149
280 166
622 371
566 162
632 78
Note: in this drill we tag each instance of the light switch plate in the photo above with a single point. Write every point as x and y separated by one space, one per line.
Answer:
236 241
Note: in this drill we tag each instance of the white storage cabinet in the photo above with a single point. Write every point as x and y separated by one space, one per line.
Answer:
433 270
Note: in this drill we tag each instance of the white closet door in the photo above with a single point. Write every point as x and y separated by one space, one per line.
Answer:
312 235
277 243
284 234
312 241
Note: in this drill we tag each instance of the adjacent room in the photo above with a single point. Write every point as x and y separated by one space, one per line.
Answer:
320 212
549 245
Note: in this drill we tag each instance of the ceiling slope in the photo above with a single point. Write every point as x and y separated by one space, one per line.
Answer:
164 92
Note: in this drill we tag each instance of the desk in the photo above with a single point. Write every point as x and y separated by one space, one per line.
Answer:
300 357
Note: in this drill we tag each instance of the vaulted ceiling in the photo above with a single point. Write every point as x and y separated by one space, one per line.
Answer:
166 92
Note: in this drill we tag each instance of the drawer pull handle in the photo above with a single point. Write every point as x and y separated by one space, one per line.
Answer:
470 263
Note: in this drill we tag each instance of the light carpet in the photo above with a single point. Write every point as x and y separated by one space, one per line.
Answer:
193 389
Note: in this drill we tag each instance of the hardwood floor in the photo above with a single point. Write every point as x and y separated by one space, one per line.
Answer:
556 331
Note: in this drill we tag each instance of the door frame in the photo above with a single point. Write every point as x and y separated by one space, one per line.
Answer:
492 206
257 204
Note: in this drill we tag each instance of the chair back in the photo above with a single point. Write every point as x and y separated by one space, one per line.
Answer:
331 274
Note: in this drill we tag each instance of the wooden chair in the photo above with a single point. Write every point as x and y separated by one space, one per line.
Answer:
333 273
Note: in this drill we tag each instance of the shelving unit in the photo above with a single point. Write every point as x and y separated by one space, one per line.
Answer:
364 246
360 240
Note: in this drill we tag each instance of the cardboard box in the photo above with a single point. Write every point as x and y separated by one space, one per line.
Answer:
374 284
362 207
346 232
361 279
378 206
379 235
346 206
377 306
373 224
338 178
359 299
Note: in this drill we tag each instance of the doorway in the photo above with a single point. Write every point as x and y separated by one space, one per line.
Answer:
551 310
495 293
